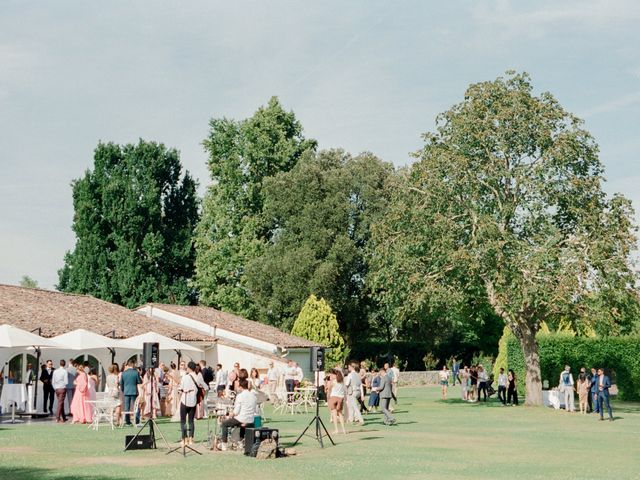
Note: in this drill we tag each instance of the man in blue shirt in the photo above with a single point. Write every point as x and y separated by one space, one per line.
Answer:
129 382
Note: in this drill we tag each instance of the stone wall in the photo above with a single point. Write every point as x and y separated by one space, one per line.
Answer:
418 378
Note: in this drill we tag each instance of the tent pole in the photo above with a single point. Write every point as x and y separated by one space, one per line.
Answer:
37 371
35 383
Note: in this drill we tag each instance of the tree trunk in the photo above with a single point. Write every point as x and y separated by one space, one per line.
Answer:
533 383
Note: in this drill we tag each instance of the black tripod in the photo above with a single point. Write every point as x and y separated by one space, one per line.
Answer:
153 426
318 422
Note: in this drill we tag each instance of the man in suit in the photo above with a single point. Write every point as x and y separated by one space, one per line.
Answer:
385 393
129 382
603 394
45 378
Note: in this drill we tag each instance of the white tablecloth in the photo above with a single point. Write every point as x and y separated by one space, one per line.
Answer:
15 392
553 398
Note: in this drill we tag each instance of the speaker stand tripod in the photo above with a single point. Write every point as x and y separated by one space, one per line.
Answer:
184 447
153 426
319 424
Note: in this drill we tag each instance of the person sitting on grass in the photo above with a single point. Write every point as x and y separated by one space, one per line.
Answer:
244 411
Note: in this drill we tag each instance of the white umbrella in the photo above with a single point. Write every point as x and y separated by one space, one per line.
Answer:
82 339
166 343
11 336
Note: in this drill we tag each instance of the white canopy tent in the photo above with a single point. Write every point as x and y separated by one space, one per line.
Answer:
14 337
82 339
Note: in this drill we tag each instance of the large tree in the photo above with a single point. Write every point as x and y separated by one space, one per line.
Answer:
135 215
320 214
242 154
506 197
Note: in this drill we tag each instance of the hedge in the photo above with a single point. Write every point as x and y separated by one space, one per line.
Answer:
619 356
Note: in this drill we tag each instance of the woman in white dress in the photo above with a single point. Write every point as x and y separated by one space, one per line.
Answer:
112 389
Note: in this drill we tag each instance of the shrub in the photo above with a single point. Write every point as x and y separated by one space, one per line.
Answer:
430 362
318 323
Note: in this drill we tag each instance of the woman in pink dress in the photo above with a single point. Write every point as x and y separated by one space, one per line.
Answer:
82 413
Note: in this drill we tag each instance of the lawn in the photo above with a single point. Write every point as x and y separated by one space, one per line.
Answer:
433 439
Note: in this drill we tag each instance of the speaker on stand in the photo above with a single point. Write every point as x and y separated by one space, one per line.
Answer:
150 361
316 366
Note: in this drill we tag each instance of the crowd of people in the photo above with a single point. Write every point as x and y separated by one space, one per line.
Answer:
592 389
180 392
476 385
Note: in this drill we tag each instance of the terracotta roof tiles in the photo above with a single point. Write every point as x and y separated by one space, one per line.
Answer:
57 313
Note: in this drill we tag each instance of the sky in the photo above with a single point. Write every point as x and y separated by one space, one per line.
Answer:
361 75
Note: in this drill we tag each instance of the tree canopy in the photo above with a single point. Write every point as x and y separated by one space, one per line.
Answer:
242 154
506 199
135 214
320 212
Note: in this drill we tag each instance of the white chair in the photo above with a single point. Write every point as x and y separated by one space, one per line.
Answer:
132 414
280 401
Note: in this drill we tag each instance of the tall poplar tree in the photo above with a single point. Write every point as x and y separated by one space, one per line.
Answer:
242 154
135 215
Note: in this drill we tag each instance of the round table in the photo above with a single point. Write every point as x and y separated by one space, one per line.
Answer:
13 394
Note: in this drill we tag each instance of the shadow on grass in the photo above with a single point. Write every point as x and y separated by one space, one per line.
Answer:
481 403
33 473
626 408
370 438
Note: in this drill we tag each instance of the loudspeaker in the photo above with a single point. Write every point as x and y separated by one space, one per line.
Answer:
317 359
150 355
254 436
142 442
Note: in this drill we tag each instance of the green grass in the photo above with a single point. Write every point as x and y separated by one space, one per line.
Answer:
433 440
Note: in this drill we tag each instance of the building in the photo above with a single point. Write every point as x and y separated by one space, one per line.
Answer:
222 337
236 339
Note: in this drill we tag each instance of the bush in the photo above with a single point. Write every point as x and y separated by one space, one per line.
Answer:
430 362
619 356
318 323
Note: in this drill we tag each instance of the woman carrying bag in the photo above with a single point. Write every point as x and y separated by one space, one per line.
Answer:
188 400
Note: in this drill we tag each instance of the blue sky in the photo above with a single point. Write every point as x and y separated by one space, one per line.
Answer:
362 75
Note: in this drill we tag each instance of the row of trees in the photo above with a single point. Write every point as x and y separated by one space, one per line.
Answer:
501 219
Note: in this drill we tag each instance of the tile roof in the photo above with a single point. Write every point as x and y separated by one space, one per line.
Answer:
57 313
237 324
